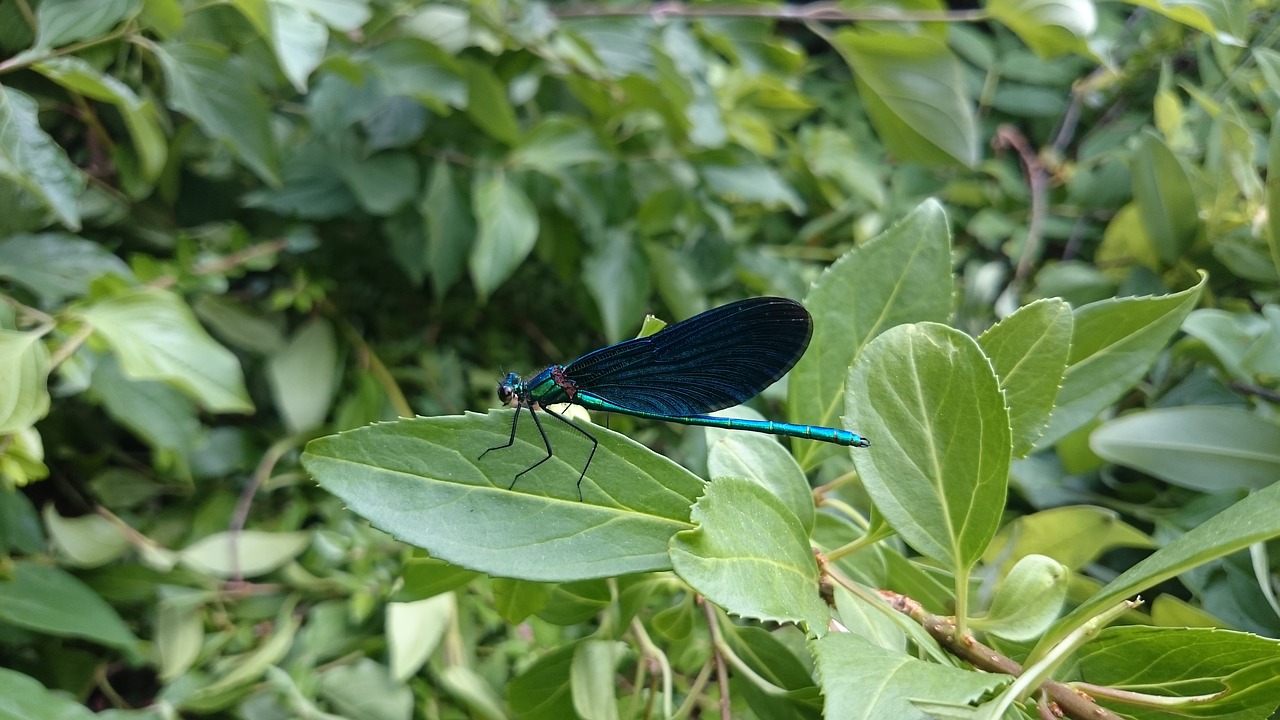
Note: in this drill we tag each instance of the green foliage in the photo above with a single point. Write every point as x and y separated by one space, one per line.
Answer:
243 244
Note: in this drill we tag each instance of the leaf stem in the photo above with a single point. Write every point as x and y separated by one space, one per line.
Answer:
655 653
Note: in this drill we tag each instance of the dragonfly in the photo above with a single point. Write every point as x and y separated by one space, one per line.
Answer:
712 361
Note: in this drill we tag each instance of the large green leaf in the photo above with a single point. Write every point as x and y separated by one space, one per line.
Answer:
901 276
1074 536
423 481
1029 352
1165 199
1254 519
1210 449
299 39
23 698
750 555
304 374
65 21
56 266
24 379
155 336
761 459
1113 344
46 599
211 87
558 142
488 106
915 92
1244 668
864 681
617 274
1049 27
940 463
32 161
508 230
449 225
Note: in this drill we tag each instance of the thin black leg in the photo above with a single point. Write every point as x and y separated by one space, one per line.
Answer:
594 444
538 424
511 440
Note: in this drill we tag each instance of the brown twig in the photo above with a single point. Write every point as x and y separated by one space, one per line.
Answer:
1071 702
245 501
227 262
1007 136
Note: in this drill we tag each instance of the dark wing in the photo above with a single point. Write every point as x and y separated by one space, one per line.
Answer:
712 361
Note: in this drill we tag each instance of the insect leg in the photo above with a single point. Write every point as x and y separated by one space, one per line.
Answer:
511 440
594 444
538 424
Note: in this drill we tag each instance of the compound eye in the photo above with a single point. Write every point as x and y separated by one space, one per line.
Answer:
505 394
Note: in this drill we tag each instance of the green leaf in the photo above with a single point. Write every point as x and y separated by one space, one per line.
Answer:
449 226
939 467
443 25
472 691
304 376
1028 600
365 689
915 92
1074 536
863 681
56 266
209 86
384 182
1165 200
750 555
157 412
508 230
23 698
239 324
1273 191
558 142
542 691
155 336
24 380
488 106
592 679
1212 17
414 630
426 577
50 601
86 541
417 69
1049 27
1210 449
901 276
33 162
62 22
1240 671
179 634
764 461
1029 351
516 600
753 183
423 481
1113 344
299 40
247 668
258 552
1254 519
617 274
78 76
